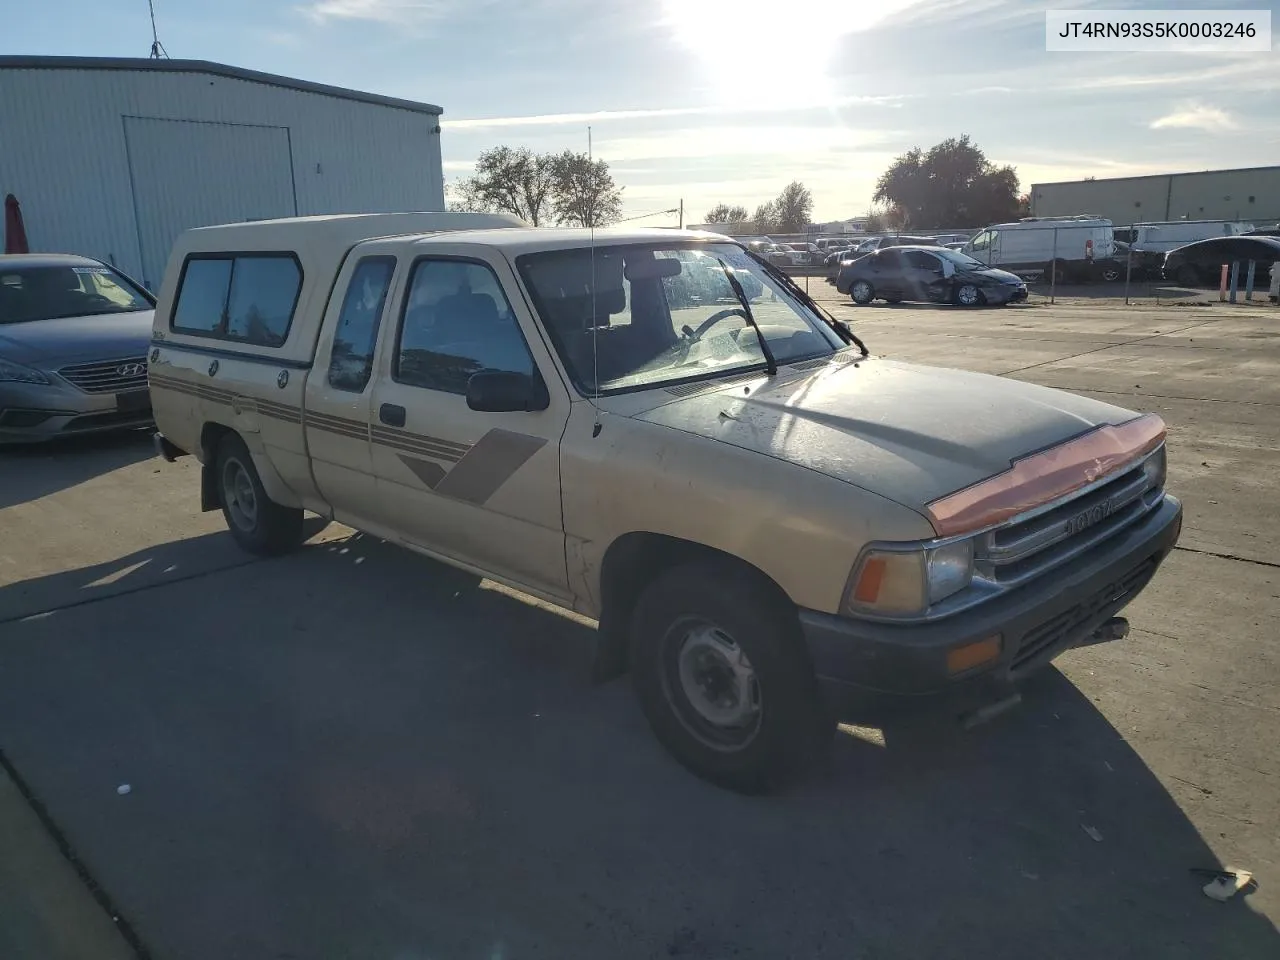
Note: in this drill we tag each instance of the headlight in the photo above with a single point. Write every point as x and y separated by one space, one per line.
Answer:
16 371
905 582
1155 469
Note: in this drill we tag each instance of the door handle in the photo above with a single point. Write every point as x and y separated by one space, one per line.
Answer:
391 414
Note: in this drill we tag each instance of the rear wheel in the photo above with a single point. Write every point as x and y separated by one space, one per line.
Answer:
1110 272
862 292
722 676
1055 272
258 523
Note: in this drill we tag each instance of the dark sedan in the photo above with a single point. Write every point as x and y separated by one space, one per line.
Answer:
1200 263
929 274
74 334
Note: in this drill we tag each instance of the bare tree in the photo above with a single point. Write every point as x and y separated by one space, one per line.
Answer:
508 180
583 193
724 213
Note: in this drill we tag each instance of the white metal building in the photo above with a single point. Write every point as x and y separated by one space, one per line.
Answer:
113 158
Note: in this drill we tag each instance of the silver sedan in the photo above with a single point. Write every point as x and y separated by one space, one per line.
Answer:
74 335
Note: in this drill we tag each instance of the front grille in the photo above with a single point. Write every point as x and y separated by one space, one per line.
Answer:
1012 554
108 376
1052 634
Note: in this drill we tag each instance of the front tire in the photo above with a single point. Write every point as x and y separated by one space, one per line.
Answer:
722 676
862 292
968 295
259 524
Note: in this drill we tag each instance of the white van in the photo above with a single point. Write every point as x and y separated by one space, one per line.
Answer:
1033 245
1163 237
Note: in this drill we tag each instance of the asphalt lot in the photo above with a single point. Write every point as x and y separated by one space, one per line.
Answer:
355 752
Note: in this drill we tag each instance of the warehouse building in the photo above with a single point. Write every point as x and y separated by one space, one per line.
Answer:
113 158
1249 194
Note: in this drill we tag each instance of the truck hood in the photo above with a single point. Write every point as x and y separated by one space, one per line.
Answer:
909 433
100 336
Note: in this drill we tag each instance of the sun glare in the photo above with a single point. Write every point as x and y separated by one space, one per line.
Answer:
748 40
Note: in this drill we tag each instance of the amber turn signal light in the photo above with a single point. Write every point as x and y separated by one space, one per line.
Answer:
973 654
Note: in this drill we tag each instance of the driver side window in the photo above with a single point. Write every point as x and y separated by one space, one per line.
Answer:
924 261
457 322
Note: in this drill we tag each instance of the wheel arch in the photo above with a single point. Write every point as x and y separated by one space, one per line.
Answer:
211 436
631 563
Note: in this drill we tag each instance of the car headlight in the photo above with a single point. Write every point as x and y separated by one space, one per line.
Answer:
1155 468
15 371
894 582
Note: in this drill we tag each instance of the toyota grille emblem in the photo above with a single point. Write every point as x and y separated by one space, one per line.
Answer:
135 368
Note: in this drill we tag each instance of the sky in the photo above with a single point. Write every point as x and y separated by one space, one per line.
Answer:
711 101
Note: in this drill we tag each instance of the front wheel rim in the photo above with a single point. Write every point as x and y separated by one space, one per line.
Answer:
968 295
711 685
238 495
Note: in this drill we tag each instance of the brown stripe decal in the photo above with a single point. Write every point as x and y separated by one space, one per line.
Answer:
426 471
488 465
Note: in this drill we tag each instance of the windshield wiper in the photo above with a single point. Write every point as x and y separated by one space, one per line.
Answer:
841 329
770 364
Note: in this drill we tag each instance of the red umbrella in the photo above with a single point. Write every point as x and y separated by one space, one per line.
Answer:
15 233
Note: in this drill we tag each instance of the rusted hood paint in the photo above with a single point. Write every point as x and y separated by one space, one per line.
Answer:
910 433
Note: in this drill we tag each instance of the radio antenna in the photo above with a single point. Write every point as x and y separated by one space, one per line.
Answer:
594 320
158 52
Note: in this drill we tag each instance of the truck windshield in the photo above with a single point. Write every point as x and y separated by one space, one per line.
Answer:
665 313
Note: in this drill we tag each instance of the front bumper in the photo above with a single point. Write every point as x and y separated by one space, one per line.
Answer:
858 659
31 412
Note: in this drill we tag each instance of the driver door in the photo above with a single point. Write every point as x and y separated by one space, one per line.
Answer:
924 275
479 488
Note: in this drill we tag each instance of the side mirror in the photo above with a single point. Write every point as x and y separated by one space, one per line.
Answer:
498 391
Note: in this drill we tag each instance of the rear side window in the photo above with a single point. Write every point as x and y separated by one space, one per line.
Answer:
353 342
248 298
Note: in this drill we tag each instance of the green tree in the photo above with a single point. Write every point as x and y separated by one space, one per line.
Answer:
952 184
794 208
583 193
724 213
766 217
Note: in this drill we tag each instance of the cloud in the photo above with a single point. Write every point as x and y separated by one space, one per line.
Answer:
1194 115
379 11
599 116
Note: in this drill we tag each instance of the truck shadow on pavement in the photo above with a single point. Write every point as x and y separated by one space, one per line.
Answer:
354 751
31 471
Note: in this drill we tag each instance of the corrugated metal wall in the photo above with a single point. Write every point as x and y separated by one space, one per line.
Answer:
65 154
1250 195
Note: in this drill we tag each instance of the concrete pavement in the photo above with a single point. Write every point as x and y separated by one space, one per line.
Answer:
355 752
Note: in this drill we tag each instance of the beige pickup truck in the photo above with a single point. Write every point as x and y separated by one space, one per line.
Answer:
660 431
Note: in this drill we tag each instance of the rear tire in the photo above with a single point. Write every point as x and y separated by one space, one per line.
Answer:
722 675
1055 272
862 292
259 524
